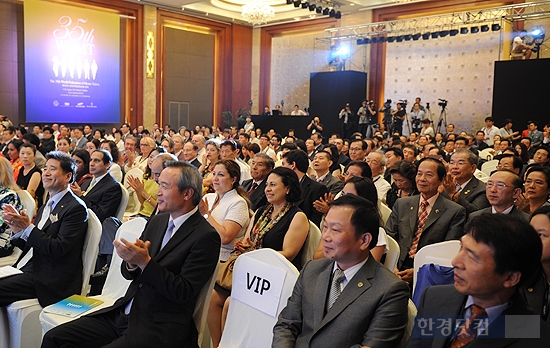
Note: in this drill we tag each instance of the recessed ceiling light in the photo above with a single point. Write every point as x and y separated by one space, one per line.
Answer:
352 4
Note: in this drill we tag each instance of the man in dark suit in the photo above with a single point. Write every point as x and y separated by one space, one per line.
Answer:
190 152
48 143
346 299
502 190
498 254
102 194
55 270
426 219
311 190
169 265
461 186
261 165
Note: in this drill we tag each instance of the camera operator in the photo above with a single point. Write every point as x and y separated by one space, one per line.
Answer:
417 114
362 113
417 100
398 118
372 118
315 126
388 118
346 117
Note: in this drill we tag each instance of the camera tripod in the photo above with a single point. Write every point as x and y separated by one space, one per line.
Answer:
442 122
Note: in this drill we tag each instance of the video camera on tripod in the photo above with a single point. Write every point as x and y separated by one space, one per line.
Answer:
442 103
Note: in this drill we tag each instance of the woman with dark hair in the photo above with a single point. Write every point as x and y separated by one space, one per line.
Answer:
99 134
64 145
92 145
335 168
146 188
404 174
537 189
13 153
115 170
523 152
7 196
82 159
280 225
30 177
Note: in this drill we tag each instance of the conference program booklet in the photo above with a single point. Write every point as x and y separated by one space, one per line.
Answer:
73 306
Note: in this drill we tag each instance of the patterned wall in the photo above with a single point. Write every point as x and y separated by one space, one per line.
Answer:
459 69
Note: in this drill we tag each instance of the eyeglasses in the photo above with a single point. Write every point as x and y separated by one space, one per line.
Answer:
499 185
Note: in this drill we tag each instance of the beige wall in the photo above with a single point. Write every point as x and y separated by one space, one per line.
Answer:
150 84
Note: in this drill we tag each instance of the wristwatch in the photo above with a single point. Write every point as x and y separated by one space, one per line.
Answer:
206 216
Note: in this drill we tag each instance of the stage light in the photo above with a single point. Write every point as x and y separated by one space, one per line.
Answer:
382 39
484 28
374 40
426 36
297 3
366 41
474 30
360 42
332 13
443 33
407 37
305 4
536 32
312 7
326 11
416 36
289 2
343 52
338 15
464 30
399 38
391 38
453 32
495 27
319 9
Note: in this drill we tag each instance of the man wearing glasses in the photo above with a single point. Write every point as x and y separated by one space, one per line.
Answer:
502 190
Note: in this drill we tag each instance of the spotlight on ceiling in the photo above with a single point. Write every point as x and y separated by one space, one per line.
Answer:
374 40
312 7
332 13
464 30
426 36
484 28
288 2
319 9
435 34
416 36
391 38
399 38
495 27
338 15
474 30
382 39
360 42
305 4
453 32
407 37
297 3
366 41
443 33
326 11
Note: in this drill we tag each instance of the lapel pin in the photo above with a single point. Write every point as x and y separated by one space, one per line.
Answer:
412 208
360 284
530 289
437 211
468 191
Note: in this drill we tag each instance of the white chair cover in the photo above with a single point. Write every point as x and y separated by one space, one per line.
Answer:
27 201
311 243
393 254
133 206
439 253
242 315
123 202
385 212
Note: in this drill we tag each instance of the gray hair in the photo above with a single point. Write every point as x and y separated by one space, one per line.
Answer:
165 157
472 157
189 179
269 162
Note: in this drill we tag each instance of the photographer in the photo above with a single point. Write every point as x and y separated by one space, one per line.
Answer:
346 117
363 118
372 118
417 114
315 126
398 118
387 121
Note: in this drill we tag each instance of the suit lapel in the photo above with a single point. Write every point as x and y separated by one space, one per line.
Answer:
183 232
161 227
98 185
471 187
320 294
437 210
306 182
413 217
58 208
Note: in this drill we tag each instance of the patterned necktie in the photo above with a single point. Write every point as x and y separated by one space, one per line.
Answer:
337 278
168 234
92 183
253 188
422 218
468 331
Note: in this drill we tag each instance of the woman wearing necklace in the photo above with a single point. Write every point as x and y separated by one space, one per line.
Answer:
404 184
537 189
280 226
227 209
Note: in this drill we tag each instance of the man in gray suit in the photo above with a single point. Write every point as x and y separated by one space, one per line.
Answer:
461 186
426 219
346 299
502 189
322 163
498 254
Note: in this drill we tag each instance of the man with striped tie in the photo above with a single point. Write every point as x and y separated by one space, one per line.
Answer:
346 299
425 219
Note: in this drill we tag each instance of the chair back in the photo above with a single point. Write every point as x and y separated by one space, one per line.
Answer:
412 311
115 284
90 250
489 166
123 202
246 285
486 154
133 205
27 201
311 243
201 307
439 253
392 256
385 212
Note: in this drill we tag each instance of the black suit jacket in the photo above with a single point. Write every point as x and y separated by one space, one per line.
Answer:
472 197
311 191
56 264
47 146
165 292
104 198
257 198
196 163
444 300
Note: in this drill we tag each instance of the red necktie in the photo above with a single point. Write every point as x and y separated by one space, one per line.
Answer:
468 331
253 188
422 218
